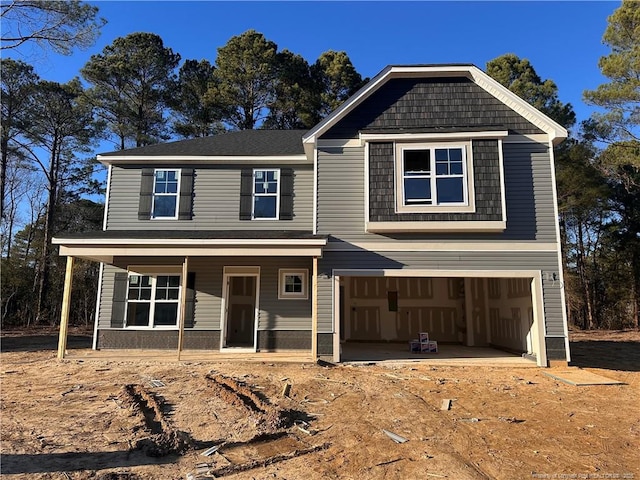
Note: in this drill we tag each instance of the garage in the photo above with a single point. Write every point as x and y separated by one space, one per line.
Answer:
464 314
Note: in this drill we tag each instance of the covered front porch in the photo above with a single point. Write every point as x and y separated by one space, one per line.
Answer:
233 292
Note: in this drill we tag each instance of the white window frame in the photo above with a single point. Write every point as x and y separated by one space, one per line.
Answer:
254 194
283 273
468 203
152 301
176 195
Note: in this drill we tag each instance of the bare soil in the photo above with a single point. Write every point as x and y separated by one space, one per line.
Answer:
121 420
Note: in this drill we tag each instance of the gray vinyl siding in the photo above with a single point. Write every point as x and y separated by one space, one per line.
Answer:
341 192
216 201
544 261
325 300
275 314
529 192
430 103
106 295
528 198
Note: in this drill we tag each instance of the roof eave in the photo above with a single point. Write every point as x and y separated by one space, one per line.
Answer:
201 159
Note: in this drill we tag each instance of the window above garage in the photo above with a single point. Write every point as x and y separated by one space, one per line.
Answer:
447 181
434 178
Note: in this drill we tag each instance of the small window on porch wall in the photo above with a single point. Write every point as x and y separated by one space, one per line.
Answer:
152 301
293 284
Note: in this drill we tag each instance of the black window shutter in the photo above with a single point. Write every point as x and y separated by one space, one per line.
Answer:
146 190
246 193
286 194
186 194
119 300
190 300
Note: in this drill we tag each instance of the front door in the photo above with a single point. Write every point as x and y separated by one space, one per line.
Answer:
240 319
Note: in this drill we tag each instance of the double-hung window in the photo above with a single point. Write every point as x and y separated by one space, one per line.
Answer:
266 194
166 184
432 178
153 300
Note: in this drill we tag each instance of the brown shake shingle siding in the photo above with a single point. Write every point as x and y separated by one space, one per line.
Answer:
436 102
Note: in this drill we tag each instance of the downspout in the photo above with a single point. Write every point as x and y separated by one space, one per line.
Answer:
314 310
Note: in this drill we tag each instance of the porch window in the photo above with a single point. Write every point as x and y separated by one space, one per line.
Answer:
165 194
293 284
152 300
432 178
266 193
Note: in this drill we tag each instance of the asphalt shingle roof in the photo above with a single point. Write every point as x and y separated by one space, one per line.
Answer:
242 143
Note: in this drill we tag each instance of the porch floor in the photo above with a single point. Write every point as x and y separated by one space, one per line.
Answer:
357 352
302 356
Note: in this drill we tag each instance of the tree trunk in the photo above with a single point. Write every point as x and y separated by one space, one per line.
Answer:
4 162
584 280
4 145
635 291
43 284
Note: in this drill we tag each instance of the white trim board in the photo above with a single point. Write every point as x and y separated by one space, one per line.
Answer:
410 137
431 273
450 246
105 252
232 242
106 199
461 226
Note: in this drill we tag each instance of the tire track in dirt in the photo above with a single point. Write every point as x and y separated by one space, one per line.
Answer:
269 417
164 439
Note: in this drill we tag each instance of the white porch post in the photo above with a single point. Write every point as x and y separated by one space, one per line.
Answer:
64 314
183 304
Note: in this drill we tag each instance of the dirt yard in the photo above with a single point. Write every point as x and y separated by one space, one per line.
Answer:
144 420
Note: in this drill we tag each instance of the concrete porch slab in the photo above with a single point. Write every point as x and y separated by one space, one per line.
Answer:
581 378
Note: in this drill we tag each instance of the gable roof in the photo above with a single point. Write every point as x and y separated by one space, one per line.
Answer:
555 131
244 143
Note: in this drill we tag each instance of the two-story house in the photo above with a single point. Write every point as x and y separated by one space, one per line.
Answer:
425 203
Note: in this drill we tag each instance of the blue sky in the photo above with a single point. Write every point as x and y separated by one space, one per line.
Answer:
561 39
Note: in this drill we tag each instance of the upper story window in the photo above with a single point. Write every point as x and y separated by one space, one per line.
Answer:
152 300
433 178
165 193
266 194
